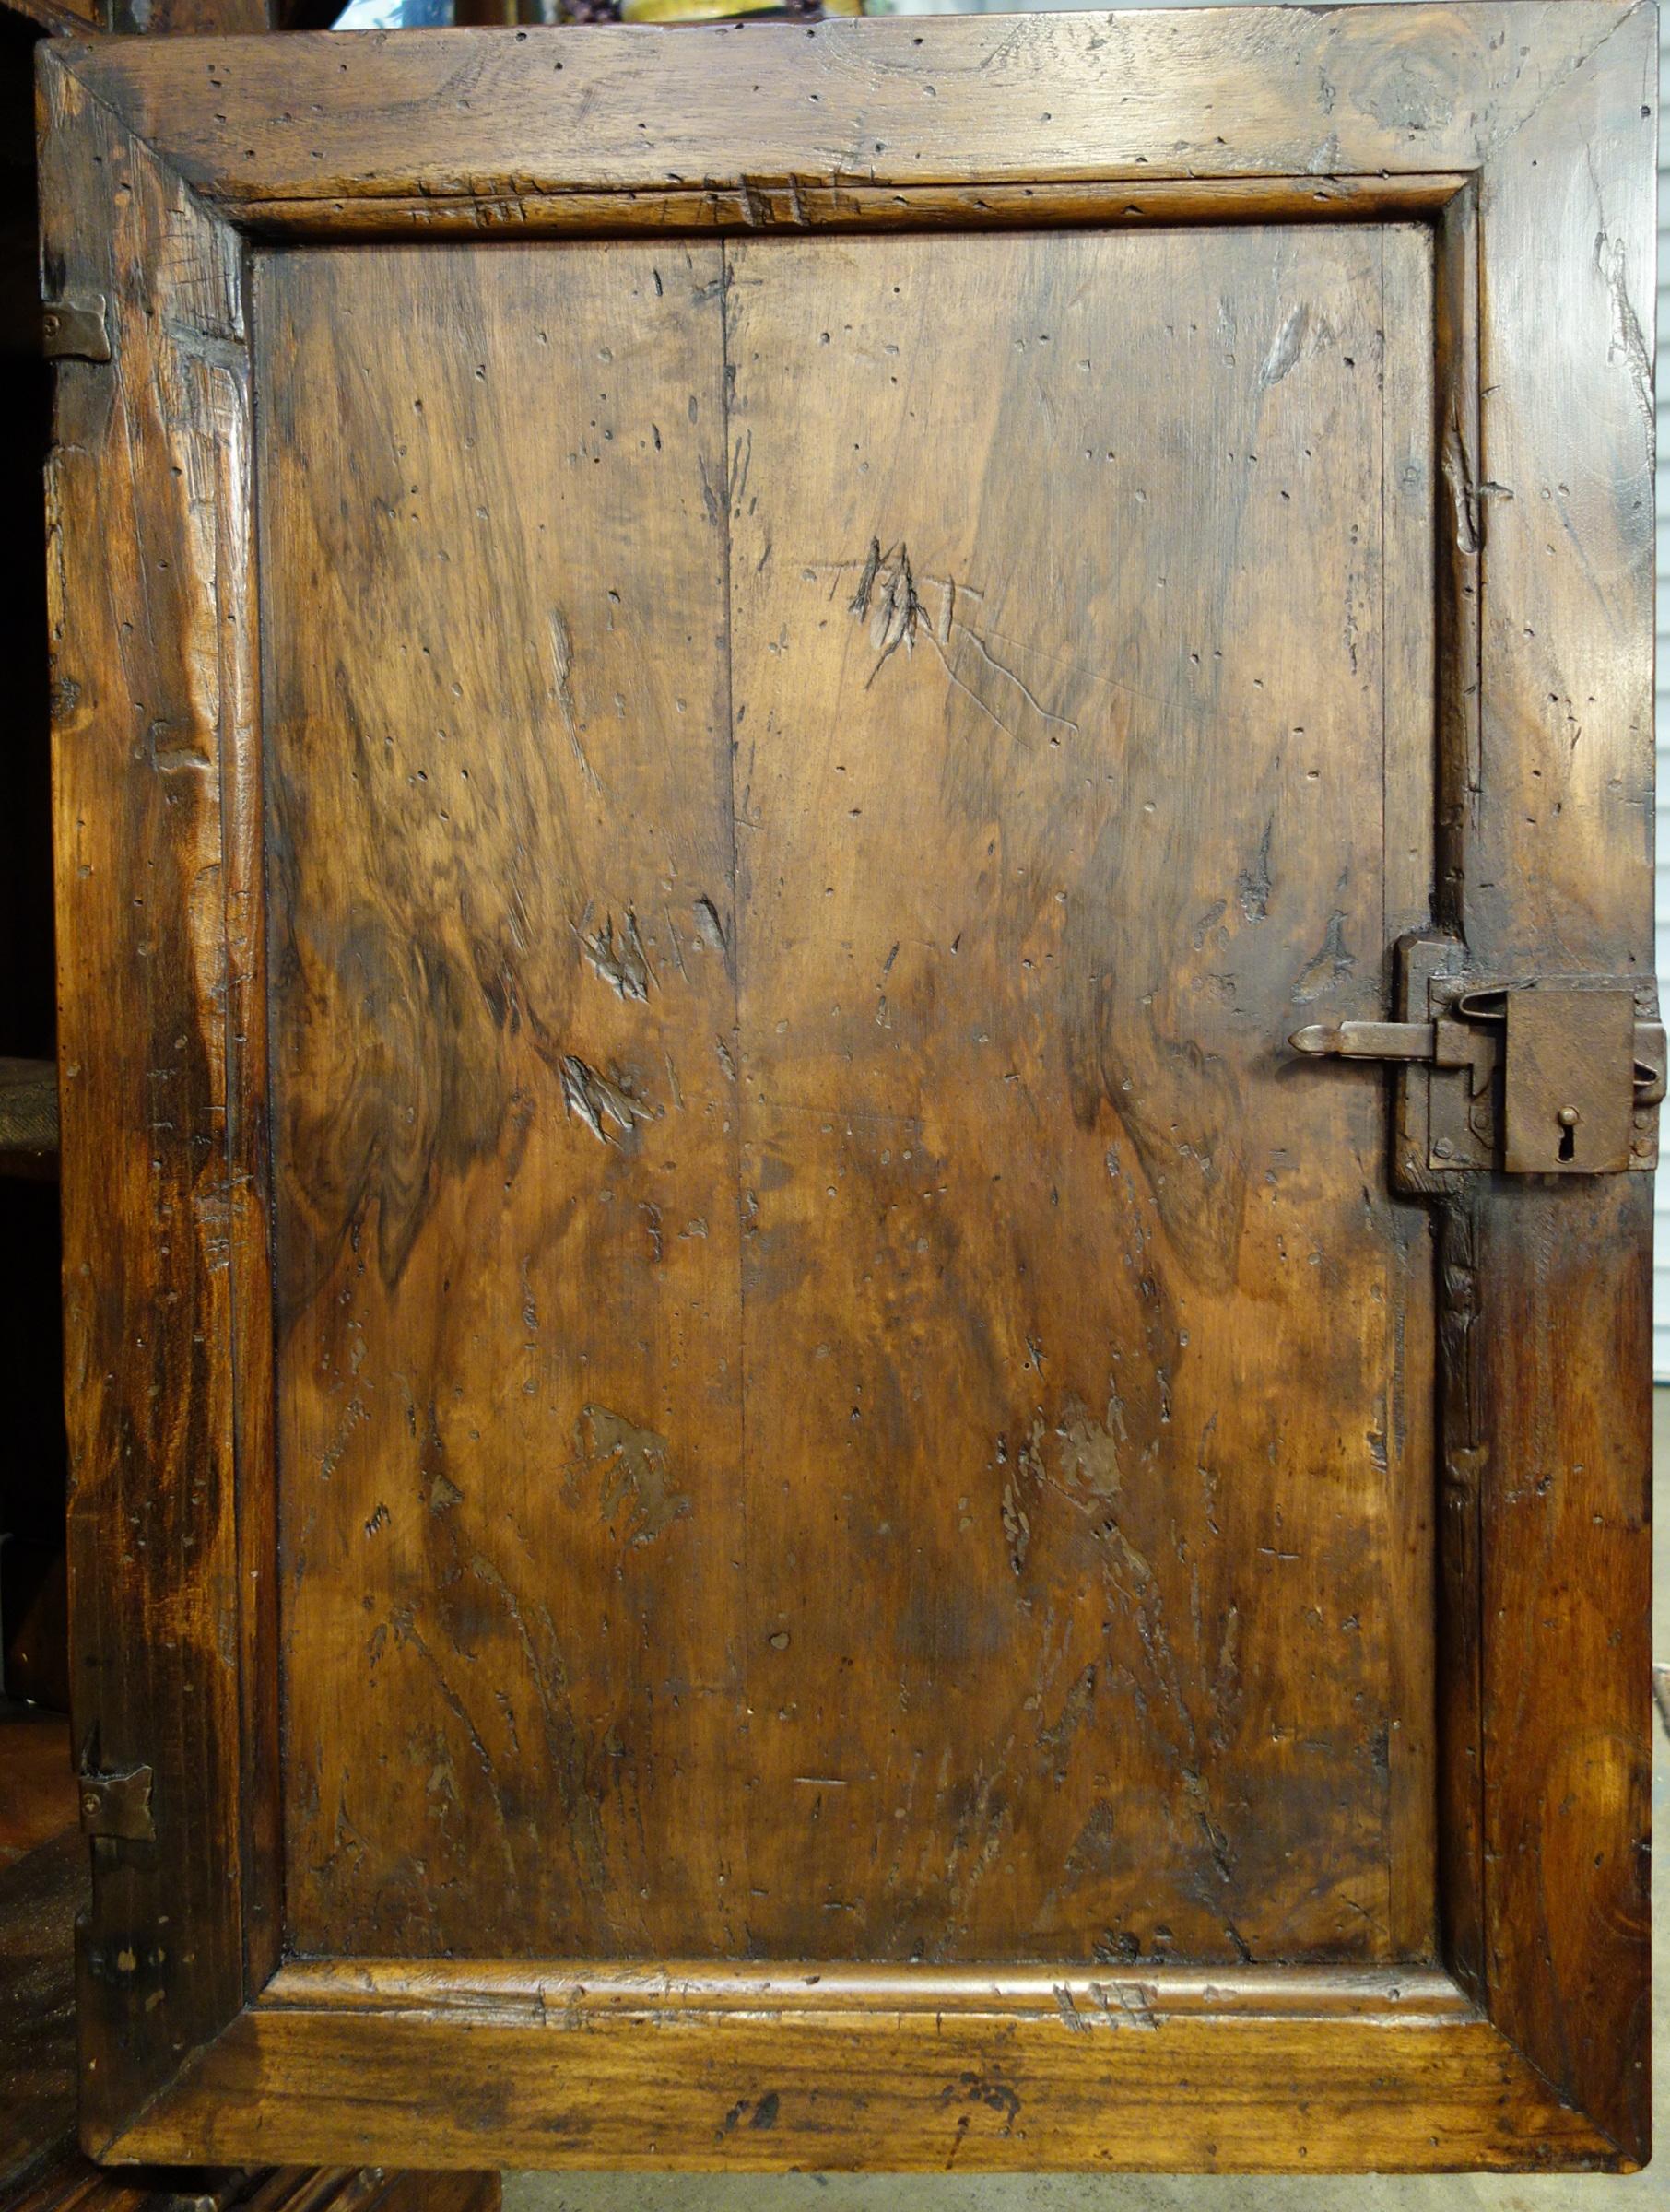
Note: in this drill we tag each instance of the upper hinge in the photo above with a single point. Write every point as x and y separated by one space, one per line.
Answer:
75 330
1539 1075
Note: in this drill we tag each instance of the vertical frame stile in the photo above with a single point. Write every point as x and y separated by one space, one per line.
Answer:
1558 876
1460 1842
1457 550
147 544
249 1153
1461 1856
1409 496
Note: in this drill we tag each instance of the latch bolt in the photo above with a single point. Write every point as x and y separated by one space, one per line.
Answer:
1562 1073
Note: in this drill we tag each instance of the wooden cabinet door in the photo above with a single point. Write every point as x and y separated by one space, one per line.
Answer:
762 1480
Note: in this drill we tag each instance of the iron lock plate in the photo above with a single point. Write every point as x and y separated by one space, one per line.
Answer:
1555 1075
1567 1080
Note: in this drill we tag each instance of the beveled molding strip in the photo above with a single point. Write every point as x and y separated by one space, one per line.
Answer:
755 206
568 1992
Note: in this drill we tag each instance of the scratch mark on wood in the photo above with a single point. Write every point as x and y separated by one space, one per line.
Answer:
1061 721
1628 338
886 594
598 1100
1125 2004
624 964
1458 471
1017 1527
562 666
1253 884
709 498
710 929
1286 348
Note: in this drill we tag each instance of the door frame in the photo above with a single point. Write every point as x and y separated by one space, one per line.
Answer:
1524 136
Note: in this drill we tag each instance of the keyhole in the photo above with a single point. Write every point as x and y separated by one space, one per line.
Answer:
1567 1132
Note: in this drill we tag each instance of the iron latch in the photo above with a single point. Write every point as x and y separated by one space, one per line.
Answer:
1536 1076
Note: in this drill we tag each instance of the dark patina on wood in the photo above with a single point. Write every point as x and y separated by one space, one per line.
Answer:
813 1506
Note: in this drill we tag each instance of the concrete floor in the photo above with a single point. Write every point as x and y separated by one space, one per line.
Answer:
1073 2193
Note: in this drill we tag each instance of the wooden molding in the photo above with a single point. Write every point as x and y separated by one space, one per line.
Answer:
913 2073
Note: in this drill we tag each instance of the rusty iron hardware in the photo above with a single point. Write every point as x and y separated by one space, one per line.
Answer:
75 330
1535 1075
116 1802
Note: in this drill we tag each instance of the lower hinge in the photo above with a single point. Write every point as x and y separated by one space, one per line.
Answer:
1539 1075
116 1801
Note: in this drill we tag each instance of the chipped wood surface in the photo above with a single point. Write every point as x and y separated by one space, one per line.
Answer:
833 1395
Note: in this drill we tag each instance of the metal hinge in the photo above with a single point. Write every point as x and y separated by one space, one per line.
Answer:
1555 1075
75 330
115 1801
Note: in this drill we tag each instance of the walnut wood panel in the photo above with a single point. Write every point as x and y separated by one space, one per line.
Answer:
1515 138
1043 834
500 849
455 1503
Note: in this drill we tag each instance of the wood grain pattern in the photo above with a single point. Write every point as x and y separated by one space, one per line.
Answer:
1139 1697
1080 2081
565 128
506 1138
1558 871
1044 838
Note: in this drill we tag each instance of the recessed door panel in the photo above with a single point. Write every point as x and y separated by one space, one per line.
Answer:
837 1397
